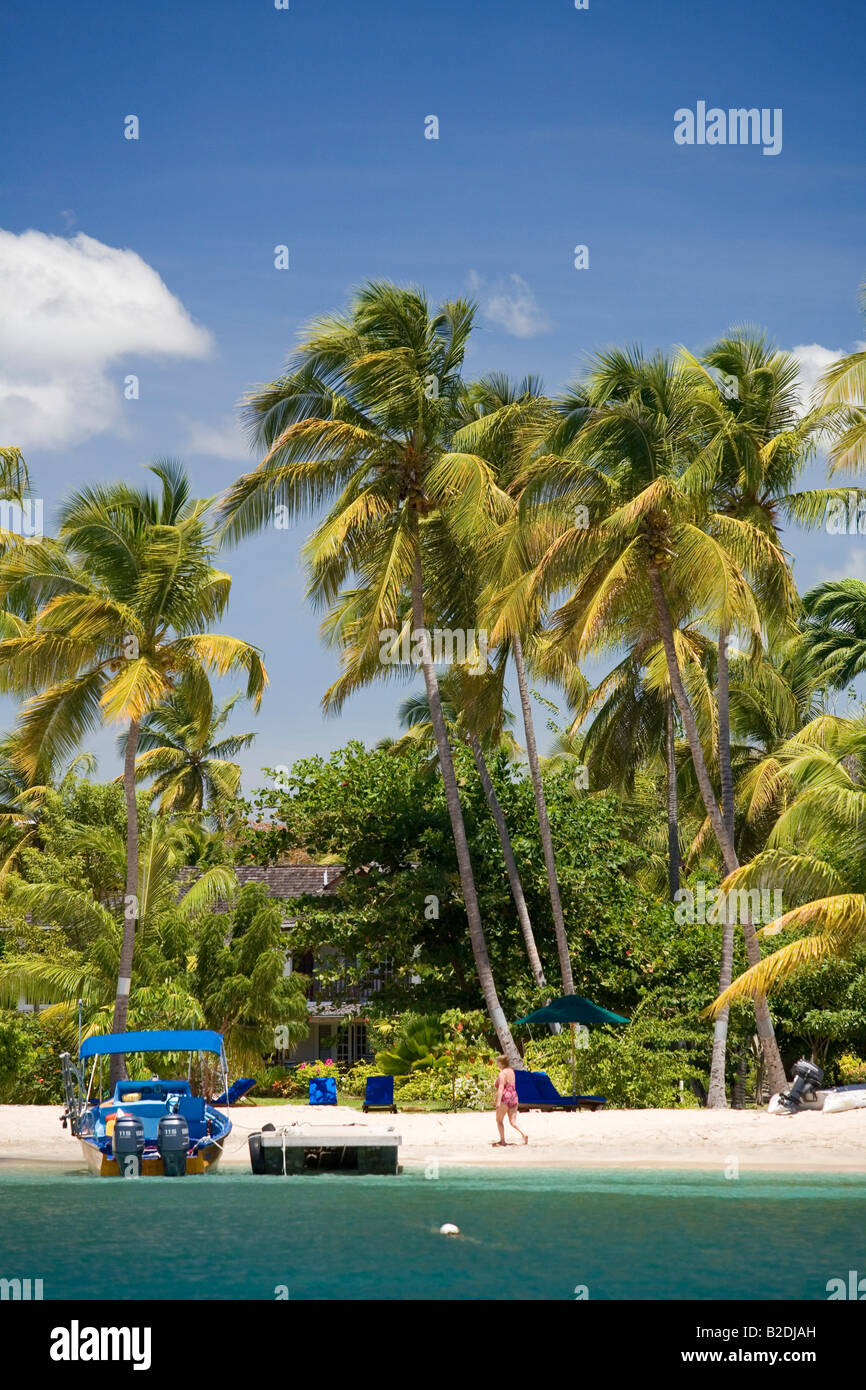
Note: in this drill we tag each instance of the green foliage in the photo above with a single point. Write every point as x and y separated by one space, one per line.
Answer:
240 982
76 840
180 749
130 585
354 1081
75 954
30 1050
293 1083
444 1058
852 1070
822 1011
385 819
472 1089
635 1067
223 970
416 1047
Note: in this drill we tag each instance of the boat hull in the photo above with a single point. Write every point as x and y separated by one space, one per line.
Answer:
205 1160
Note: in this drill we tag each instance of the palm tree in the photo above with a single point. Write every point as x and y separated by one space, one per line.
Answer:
500 415
772 700
180 749
834 629
242 984
814 853
458 708
629 453
755 446
14 477
633 726
122 601
161 992
364 418
844 387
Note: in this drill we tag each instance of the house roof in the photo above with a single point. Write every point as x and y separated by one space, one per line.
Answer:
291 880
285 881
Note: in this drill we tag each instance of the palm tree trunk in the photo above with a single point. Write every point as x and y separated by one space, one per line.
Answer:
117 1069
672 803
729 856
717 1098
766 1032
717 1095
458 829
543 820
510 863
666 632
725 774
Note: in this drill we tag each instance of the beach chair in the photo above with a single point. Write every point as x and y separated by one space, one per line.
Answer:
323 1090
379 1094
536 1091
236 1091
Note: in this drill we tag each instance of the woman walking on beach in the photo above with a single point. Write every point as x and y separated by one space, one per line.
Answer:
506 1101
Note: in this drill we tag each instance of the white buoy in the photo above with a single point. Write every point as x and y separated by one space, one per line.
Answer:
449 1229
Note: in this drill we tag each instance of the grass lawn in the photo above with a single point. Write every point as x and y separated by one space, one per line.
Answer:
355 1103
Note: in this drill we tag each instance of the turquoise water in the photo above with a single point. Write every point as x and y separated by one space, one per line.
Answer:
534 1234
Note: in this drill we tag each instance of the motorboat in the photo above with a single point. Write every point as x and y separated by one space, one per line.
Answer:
152 1128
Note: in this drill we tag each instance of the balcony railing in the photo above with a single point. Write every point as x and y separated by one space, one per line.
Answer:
347 991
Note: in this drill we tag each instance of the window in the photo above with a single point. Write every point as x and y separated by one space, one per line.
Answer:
359 1041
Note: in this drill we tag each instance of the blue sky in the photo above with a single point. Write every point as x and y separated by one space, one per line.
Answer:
305 127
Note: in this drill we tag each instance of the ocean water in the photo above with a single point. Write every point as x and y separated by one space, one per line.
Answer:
533 1234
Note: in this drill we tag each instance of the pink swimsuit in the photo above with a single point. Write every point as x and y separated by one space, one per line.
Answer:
508 1098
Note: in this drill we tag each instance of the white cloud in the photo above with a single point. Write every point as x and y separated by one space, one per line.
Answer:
852 567
221 439
510 303
76 316
813 360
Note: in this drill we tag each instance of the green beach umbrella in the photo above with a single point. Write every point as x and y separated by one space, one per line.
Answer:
573 1009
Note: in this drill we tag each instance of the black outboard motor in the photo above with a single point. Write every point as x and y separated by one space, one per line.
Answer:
807 1079
172 1140
128 1142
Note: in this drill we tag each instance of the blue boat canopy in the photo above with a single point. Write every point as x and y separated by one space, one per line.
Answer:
162 1040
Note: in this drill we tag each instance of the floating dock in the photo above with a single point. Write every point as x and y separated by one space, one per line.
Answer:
284 1153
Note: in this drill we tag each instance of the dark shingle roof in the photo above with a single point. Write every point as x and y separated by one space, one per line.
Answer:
283 881
291 880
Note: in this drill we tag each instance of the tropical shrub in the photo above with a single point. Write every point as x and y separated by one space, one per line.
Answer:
29 1060
852 1070
472 1089
354 1081
310 1071
415 1048
636 1067
241 984
294 1084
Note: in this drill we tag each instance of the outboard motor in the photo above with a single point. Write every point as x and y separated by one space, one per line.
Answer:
807 1079
128 1143
172 1140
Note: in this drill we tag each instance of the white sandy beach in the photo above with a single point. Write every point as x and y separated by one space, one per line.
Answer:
808 1142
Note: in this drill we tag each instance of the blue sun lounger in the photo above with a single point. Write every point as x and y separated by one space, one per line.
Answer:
536 1091
323 1091
379 1094
236 1091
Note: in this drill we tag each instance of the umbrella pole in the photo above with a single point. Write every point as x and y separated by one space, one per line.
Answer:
573 1064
